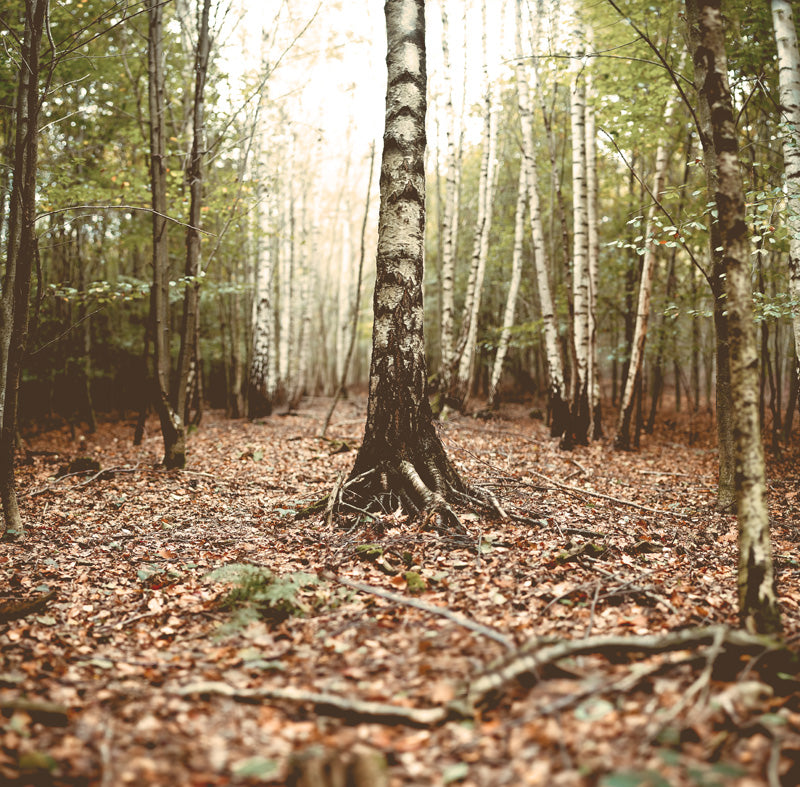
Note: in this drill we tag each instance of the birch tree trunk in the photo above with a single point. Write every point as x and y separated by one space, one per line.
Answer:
172 426
261 384
623 436
580 412
557 399
21 250
513 288
286 291
716 280
401 459
758 605
449 218
593 264
789 87
459 390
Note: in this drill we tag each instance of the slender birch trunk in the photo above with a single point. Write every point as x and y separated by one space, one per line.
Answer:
449 218
261 386
465 353
789 88
758 604
623 436
557 399
357 304
593 252
580 414
513 287
286 293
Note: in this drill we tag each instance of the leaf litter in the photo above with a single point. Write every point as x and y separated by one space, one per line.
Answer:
197 632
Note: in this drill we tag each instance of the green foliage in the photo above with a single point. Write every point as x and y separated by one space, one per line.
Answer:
257 593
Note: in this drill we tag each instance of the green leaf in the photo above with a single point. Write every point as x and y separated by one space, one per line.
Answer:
455 773
255 768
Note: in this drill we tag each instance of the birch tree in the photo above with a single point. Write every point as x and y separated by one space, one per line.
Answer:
401 459
758 605
623 436
580 412
513 288
557 398
465 354
449 216
21 250
789 87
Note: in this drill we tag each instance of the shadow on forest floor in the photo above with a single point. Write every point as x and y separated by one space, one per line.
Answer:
93 688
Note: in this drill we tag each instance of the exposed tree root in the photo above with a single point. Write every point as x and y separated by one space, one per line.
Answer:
725 648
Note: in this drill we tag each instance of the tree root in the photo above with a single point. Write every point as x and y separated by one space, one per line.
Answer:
722 643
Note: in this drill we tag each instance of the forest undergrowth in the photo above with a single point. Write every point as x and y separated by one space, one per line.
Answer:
191 630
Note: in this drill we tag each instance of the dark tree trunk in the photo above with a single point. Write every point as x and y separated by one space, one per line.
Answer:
401 458
22 250
172 427
758 605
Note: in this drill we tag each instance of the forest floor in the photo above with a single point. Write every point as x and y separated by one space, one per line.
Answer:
146 668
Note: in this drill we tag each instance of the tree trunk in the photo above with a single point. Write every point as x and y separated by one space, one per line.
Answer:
172 427
22 249
593 264
789 88
261 385
465 354
623 436
580 414
716 280
513 288
758 605
357 304
401 458
557 399
449 228
194 178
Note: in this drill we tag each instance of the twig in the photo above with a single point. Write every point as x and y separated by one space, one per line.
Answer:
434 610
698 685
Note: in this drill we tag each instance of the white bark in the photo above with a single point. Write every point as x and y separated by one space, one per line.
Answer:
789 87
580 263
343 300
450 213
262 365
469 328
593 250
513 287
555 369
645 288
285 306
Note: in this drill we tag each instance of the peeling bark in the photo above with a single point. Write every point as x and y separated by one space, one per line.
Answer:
758 605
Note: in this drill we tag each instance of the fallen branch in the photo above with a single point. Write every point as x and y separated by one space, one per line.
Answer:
326 704
48 713
13 610
578 491
472 625
529 663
